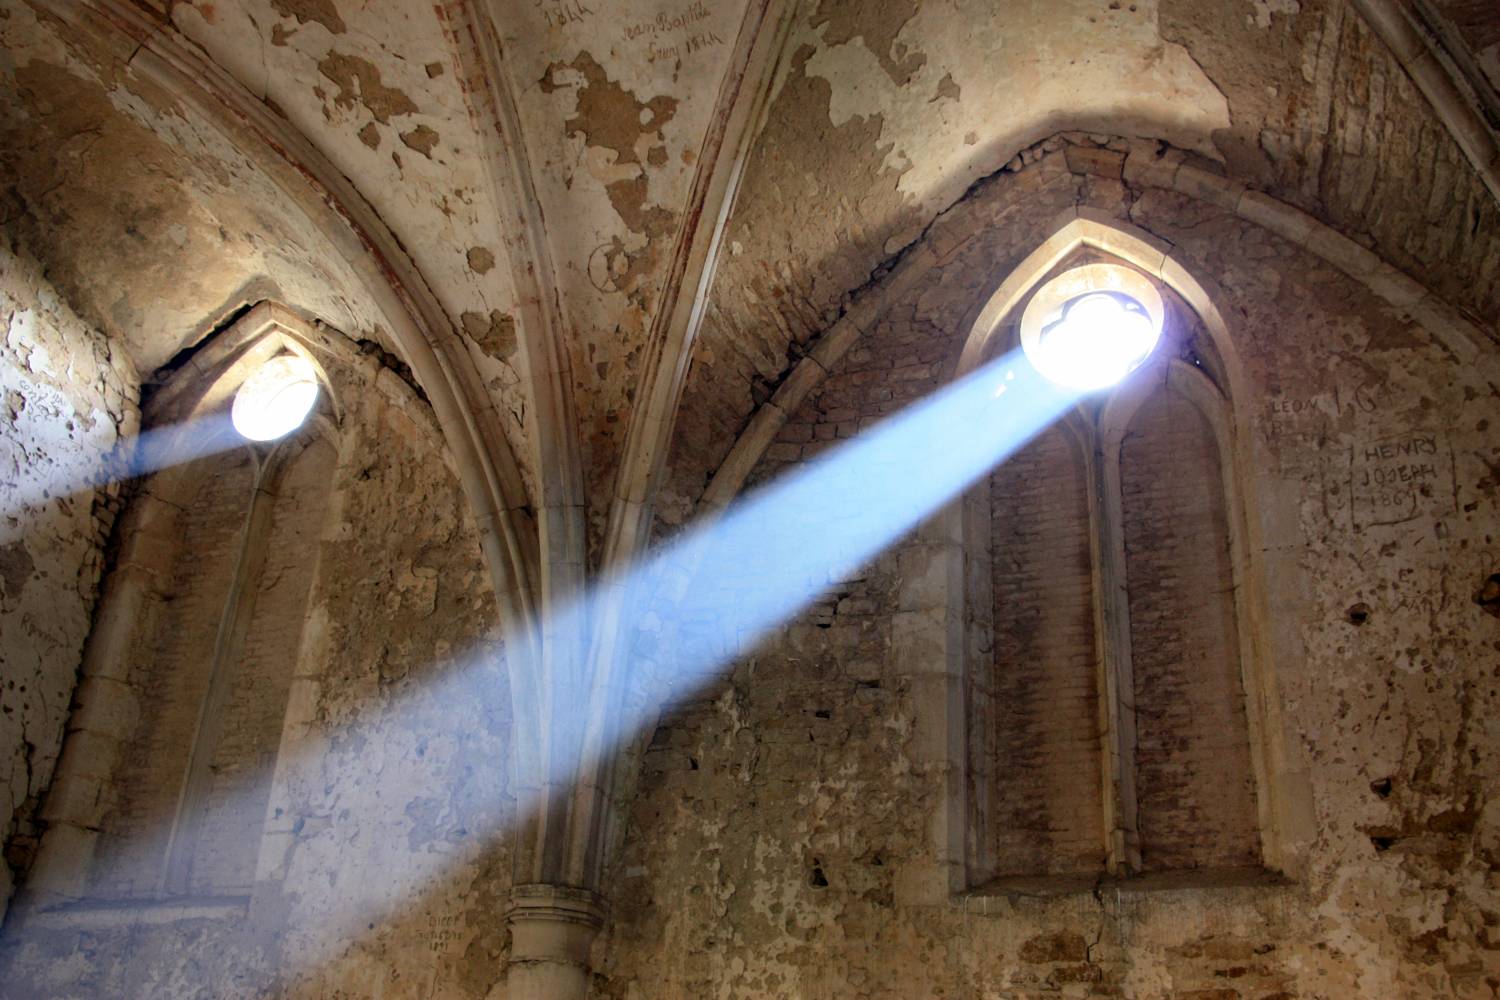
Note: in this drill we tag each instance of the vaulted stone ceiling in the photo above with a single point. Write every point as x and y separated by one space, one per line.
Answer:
543 166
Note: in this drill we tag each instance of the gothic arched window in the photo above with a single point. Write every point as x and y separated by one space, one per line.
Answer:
166 775
213 664
1110 734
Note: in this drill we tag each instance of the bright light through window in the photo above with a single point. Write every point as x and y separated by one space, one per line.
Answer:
1091 326
276 398
1099 340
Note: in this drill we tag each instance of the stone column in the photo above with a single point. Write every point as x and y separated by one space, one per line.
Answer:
105 707
552 930
929 636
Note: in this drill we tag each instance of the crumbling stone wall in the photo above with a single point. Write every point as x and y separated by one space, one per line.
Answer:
381 862
779 841
67 395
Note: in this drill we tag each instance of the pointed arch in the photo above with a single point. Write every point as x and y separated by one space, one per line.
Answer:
420 329
1217 406
1085 227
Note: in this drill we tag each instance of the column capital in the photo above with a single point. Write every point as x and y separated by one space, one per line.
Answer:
559 903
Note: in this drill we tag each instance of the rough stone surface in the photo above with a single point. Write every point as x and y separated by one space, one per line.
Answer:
67 395
780 836
425 183
391 760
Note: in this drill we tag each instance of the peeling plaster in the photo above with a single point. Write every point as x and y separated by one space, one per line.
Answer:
1139 84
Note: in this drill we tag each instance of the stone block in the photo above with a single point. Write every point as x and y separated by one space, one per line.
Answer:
1342 252
806 376
1096 161
1143 168
1212 188
75 798
835 343
1448 326
61 868
937 703
89 754
924 882
1394 286
106 705
1280 218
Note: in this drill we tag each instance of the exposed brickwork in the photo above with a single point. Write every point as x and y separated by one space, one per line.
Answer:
1048 784
229 841
1194 782
170 670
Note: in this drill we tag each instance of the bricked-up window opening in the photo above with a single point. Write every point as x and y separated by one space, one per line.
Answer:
1113 737
1195 794
213 663
1048 754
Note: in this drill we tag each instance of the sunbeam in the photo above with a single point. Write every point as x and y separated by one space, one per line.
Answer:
800 534
151 451
793 538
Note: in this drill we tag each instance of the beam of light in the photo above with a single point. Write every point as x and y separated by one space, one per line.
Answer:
274 401
37 478
783 546
775 551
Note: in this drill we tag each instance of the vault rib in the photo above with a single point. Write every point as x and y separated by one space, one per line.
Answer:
739 111
542 333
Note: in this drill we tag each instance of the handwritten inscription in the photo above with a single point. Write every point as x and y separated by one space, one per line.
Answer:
560 13
1397 479
697 43
1292 416
444 933
667 24
1289 406
672 36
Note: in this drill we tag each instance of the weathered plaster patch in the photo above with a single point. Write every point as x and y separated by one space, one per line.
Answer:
612 120
880 28
480 259
1265 10
359 81
322 12
947 89
1043 71
422 139
495 334
606 114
